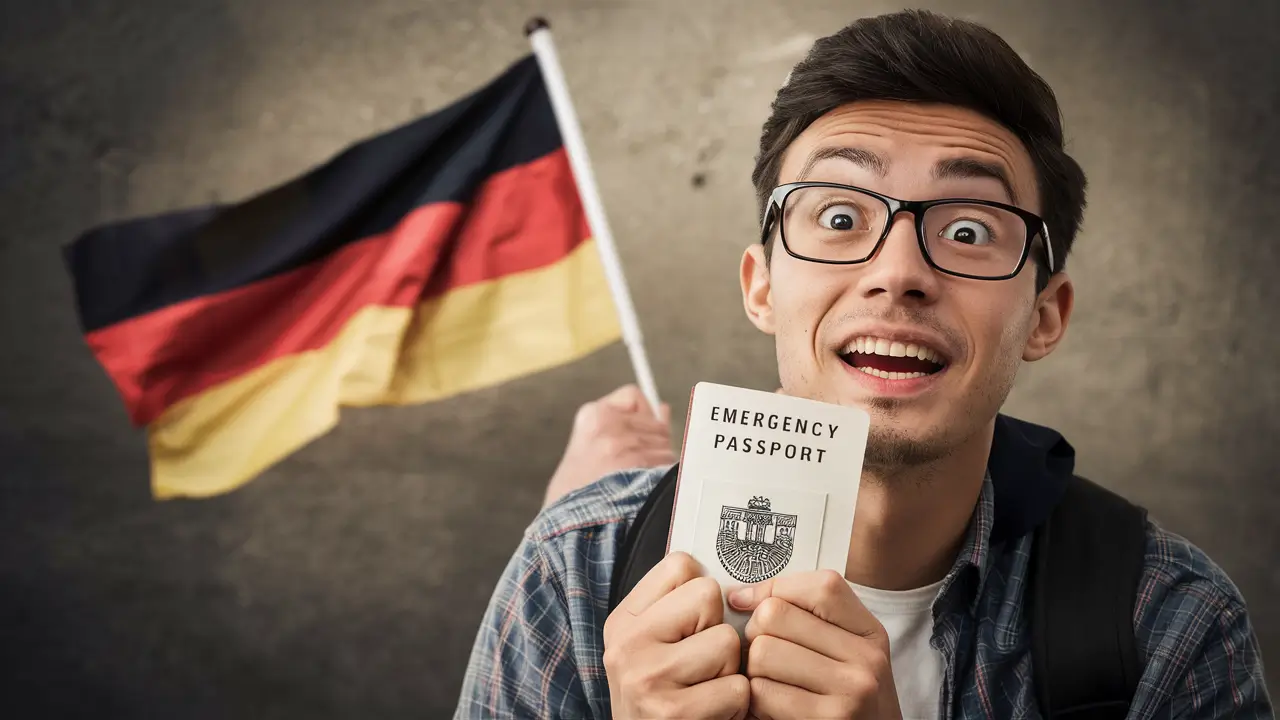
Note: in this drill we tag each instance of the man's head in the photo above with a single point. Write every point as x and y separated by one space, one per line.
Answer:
913 107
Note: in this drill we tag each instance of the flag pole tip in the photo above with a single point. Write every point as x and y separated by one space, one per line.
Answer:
535 24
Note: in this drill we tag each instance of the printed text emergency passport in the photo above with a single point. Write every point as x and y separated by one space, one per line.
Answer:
768 485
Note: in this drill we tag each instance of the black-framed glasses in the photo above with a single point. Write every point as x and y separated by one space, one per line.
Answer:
844 225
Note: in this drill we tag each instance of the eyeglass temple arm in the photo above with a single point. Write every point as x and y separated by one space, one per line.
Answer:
1048 247
768 218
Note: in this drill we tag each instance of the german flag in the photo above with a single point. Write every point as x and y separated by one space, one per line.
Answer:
444 256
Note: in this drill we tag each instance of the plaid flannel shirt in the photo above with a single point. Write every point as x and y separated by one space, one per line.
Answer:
539 650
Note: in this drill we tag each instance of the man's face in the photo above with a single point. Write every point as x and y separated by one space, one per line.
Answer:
833 323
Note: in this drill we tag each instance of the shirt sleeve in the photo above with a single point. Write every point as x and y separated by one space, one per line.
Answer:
522 663
1226 677
1201 651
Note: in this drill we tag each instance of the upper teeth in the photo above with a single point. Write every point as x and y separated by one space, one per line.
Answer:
891 348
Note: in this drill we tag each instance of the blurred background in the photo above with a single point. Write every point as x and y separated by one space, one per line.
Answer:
349 580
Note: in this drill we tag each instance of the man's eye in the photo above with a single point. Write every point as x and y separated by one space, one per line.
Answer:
969 232
839 217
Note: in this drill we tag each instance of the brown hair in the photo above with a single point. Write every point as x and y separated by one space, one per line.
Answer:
919 56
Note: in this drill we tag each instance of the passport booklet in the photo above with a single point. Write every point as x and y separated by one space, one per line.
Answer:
768 485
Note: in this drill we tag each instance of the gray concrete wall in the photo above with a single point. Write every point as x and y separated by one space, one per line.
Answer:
348 581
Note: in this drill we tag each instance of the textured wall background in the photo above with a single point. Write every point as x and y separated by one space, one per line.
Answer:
348 582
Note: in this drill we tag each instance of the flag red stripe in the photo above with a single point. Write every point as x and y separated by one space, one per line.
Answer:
521 219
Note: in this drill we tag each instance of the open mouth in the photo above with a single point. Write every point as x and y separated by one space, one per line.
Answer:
892 360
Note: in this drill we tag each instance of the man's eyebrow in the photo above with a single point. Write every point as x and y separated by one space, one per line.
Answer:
857 156
973 168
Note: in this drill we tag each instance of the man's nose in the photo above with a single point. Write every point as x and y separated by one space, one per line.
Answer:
899 270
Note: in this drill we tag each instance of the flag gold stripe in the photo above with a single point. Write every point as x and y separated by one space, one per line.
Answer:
470 338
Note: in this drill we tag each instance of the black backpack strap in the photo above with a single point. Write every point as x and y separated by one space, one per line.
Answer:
1087 562
646 541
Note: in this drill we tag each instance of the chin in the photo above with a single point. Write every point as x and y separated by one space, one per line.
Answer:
890 447
906 433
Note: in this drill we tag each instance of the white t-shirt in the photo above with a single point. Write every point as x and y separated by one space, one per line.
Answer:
918 669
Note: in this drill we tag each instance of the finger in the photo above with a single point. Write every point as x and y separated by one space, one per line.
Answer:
616 448
691 608
647 459
671 572
641 426
787 662
825 593
712 653
725 698
778 618
773 700
609 416
614 440
642 417
628 398
622 451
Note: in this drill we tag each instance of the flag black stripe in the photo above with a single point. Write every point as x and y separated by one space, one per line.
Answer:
135 267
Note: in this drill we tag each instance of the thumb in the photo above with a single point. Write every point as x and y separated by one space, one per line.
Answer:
748 596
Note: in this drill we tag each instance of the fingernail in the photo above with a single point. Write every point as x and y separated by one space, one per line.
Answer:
742 597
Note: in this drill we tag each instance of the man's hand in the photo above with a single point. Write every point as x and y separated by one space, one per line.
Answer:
616 432
667 651
815 651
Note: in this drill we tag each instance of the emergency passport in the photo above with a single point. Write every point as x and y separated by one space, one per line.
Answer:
768 485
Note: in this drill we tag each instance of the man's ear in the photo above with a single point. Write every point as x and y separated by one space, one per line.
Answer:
757 292
1052 314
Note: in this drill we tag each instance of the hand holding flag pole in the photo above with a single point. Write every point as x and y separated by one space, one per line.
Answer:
443 256
539 33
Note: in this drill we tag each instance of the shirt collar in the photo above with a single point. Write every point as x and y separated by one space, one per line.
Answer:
1028 467
962 586
1027 472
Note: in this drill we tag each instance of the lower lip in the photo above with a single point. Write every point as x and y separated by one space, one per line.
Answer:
894 388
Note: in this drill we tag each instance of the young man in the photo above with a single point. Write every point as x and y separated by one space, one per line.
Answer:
920 313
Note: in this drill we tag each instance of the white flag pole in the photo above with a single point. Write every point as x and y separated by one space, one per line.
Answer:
539 33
